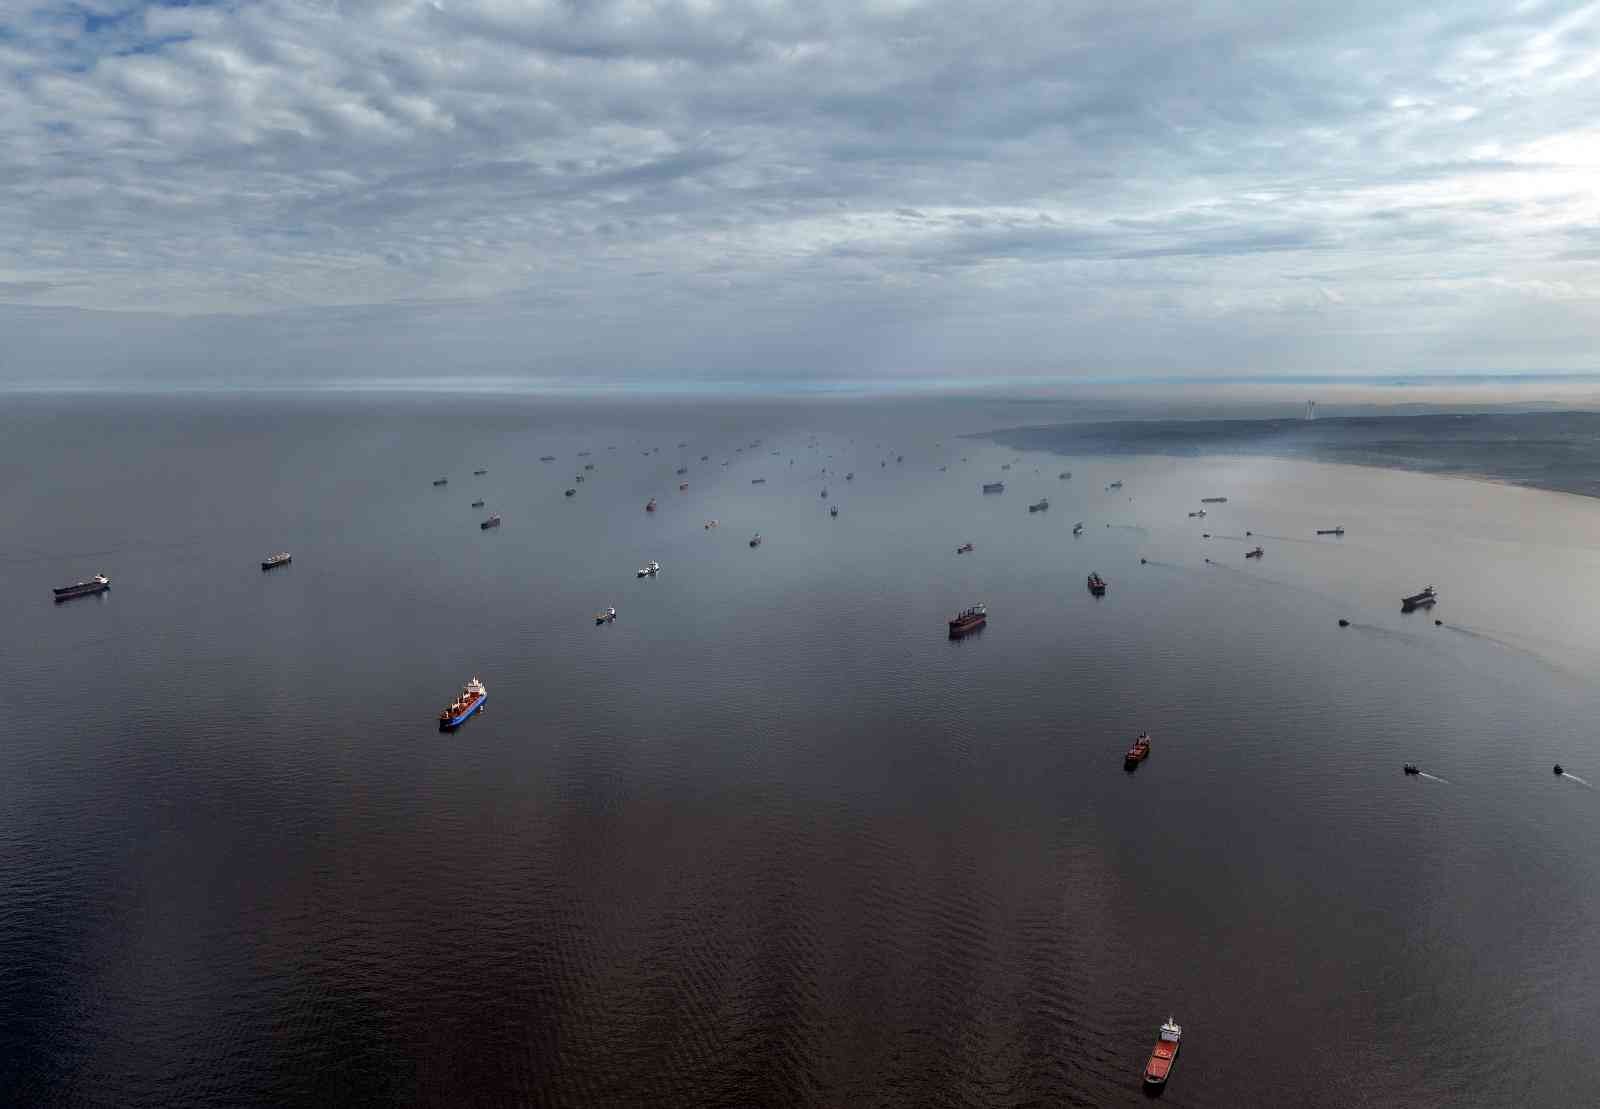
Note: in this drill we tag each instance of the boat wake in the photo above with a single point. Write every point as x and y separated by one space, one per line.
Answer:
1581 781
1432 777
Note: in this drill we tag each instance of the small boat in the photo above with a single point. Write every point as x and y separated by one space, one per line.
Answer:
491 522
704 457
1077 529
97 584
1409 768
710 524
942 469
578 479
1064 475
755 540
479 473
1213 500
605 616
964 548
833 510
477 504
682 485
282 558
994 487
1200 515
682 470
851 476
547 458
441 481
1138 752
1039 505
1115 485
473 695
1330 531
968 620
588 465
899 458
650 505
1163 1055
1558 769
1343 623
572 492
1253 554
650 570
758 481
1097 585
1425 599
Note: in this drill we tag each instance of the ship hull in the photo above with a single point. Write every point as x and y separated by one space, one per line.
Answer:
76 591
450 724
271 565
966 627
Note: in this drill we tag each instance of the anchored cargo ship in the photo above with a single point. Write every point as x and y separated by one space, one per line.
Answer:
994 487
1424 599
282 558
97 584
1097 585
473 695
1330 531
1213 500
970 619
491 522
1138 752
1040 505
1163 1055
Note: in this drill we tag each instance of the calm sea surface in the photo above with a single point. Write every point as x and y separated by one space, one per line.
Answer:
772 838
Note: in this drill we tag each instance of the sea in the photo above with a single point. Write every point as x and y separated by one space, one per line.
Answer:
772 838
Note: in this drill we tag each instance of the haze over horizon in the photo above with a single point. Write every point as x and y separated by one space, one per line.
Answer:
701 190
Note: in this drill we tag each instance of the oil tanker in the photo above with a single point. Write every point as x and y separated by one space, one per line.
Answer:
473 695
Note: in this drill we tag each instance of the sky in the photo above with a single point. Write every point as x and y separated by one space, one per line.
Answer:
623 191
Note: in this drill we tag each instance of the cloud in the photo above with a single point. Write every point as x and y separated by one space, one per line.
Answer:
827 188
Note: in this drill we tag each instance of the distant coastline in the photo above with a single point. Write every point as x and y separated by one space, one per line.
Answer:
1556 451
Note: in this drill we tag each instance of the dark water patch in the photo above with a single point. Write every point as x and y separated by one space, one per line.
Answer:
1547 450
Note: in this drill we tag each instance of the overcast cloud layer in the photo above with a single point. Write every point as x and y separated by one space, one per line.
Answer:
281 189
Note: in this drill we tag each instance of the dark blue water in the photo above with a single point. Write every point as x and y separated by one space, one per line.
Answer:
771 838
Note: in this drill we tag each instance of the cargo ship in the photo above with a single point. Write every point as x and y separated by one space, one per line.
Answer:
1330 531
1257 553
994 487
1213 500
491 522
479 473
968 620
282 558
473 695
97 584
650 505
1138 752
1424 599
1097 585
755 540
1077 529
441 481
833 510
477 504
1040 505
571 493
964 548
1163 1055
